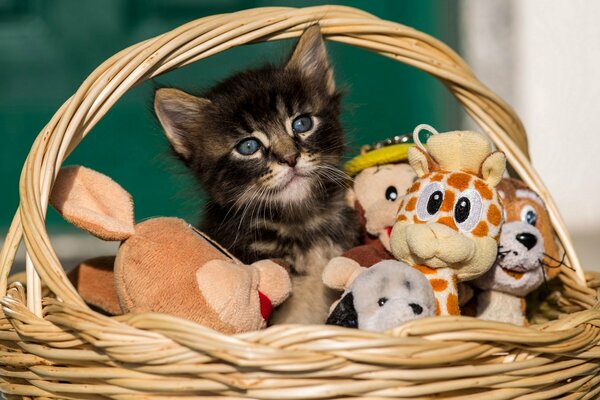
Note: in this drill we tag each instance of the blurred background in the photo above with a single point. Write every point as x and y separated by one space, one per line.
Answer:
539 55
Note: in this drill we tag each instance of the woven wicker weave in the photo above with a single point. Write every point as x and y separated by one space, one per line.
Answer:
59 348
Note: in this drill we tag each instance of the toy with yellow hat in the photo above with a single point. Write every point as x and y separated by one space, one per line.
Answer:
382 176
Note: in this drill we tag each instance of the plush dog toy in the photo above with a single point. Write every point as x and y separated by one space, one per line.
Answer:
380 297
526 241
448 224
163 264
381 177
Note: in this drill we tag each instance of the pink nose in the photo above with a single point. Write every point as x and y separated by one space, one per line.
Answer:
290 159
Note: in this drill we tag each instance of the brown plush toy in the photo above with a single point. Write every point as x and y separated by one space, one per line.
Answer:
163 264
381 177
526 245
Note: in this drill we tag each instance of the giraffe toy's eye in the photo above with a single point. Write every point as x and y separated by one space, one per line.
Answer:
430 201
468 210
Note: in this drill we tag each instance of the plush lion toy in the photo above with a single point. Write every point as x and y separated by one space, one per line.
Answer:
526 253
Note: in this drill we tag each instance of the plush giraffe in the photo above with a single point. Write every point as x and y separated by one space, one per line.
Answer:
449 221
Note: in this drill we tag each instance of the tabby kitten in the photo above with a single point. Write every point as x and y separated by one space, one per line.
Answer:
266 145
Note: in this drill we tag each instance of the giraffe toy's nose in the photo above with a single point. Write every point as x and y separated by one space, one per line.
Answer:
527 239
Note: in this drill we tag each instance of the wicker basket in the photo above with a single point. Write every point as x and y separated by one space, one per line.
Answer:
57 347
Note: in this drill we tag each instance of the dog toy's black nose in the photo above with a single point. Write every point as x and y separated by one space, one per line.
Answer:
527 239
417 309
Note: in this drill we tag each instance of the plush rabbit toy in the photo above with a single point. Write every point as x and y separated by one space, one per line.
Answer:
163 264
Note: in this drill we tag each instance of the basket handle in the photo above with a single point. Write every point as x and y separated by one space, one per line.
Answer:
210 35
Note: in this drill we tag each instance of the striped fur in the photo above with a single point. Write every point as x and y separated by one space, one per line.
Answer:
266 205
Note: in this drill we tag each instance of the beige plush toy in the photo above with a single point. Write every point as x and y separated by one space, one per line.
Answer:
382 176
448 224
163 264
526 252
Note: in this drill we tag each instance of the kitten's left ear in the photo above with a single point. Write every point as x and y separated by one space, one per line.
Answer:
310 57
179 114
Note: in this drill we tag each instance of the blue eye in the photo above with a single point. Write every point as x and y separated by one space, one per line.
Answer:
529 215
248 147
302 124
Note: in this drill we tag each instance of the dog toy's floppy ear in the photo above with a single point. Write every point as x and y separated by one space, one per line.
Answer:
93 202
340 272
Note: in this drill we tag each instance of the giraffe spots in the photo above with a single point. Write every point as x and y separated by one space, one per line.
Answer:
448 203
411 204
438 309
436 178
481 230
449 222
483 189
452 304
416 220
401 218
415 187
438 285
494 215
459 180
425 270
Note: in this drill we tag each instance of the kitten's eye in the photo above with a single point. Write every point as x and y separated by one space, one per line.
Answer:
529 215
302 124
248 147
391 193
382 301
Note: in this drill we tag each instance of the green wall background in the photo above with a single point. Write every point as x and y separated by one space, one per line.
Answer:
49 47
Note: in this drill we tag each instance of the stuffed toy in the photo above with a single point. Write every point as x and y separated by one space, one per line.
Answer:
448 224
381 177
378 298
527 239
163 264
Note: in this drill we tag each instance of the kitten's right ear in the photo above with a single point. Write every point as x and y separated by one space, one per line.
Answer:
310 57
179 113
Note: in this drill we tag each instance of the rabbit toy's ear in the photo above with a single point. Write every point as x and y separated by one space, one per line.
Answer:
93 202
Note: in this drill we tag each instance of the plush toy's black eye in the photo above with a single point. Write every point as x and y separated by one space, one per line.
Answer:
435 202
391 193
468 210
430 201
462 210
382 301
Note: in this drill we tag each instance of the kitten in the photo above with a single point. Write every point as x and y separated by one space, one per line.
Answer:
266 145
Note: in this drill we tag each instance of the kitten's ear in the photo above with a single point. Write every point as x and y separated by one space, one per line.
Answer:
179 114
310 57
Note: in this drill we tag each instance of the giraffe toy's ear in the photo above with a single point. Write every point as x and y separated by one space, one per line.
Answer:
493 168
421 162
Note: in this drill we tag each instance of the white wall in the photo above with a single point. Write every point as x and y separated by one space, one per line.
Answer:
543 57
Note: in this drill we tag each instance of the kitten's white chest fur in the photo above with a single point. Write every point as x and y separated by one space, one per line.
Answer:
310 299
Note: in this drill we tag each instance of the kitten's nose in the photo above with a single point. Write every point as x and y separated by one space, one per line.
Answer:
527 239
290 159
